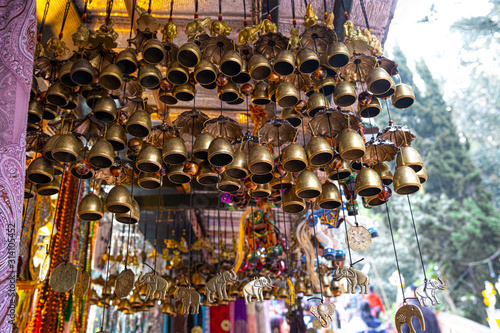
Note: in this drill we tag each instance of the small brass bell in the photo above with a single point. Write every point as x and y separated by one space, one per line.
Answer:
126 60
292 204
177 74
389 92
139 124
220 152
90 208
153 51
167 97
292 116
206 176
82 72
205 72
184 92
330 197
189 54
261 191
111 77
345 94
117 136
49 188
339 172
119 200
351 145
406 181
422 175
94 95
286 94
307 61
149 76
259 67
385 173
294 158
149 159
58 95
281 182
29 190
325 86
66 148
65 75
368 183
81 168
262 178
261 160
58 168
316 102
371 109
149 180
231 63
309 291
284 62
168 309
338 54
131 217
300 287
50 111
403 97
72 102
174 151
201 144
124 305
177 174
260 95
244 76
105 109
319 151
228 93
35 111
410 157
228 184
378 81
373 201
238 168
282 293
308 186
102 154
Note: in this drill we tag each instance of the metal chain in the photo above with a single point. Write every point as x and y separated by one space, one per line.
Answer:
65 16
42 25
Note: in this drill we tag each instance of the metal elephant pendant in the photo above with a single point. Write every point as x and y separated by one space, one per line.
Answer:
254 289
427 291
155 283
190 300
405 314
218 285
324 312
354 278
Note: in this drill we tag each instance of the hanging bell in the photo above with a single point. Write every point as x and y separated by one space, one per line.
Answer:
309 291
192 167
149 76
105 109
40 171
403 97
205 72
66 148
244 76
371 109
261 191
35 111
94 95
111 77
201 144
238 167
385 173
210 86
102 154
350 145
65 75
228 184
279 183
319 151
339 170
406 181
117 136
149 159
90 208
81 168
149 180
58 95
72 102
422 175
238 100
316 102
189 54
286 94
206 176
231 63
174 151
139 124
50 111
373 201
184 92
49 188
292 204
330 197
262 178
177 74
119 200
325 86
292 116
30 127
58 168
368 183
345 94
260 94
261 160
29 190
284 62
389 92
338 54
167 97
177 174
153 51
259 67
228 93
294 158
378 81
126 60
82 72
410 157
307 61
220 152
300 287
308 186
131 217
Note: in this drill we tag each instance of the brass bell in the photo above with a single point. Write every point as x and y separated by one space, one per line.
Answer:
325 86
389 92
373 201
308 186
66 148
231 63
35 111
82 72
102 154
261 191
371 109
189 54
131 217
29 190
139 124
90 208
111 77
30 127
72 102
378 81
281 182
316 102
149 76
259 67
50 111
184 92
177 74
168 309
350 145
319 152
228 184
206 176
238 167
422 175
284 62
260 95
368 183
261 178
167 97
49 188
330 197
153 51
94 95
309 291
282 293
292 204
192 167
286 94
292 116
403 97
261 160
149 159
385 173
228 93
294 158
205 72
240 99
58 95
220 152
117 136
340 172
307 61
149 181
410 157
177 174
65 75
126 60
58 168
300 287
201 144
105 109
174 151
124 306
81 168
329 292
119 200
338 54
244 76
345 94
406 180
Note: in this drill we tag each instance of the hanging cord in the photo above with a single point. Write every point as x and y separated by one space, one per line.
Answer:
218 219
44 17
130 218
149 7
253 236
346 15
294 20
196 9
84 15
109 7
317 252
363 9
418 243
268 10
157 222
108 251
134 5
388 111
191 205
65 16
220 10
245 22
326 9
171 10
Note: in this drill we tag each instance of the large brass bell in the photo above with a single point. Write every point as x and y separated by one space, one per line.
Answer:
308 186
410 157
345 94
284 62
184 92
153 51
228 184
65 75
261 178
131 217
286 94
325 86
292 204
339 171
189 54
261 191
338 54
385 173
330 197
149 181
90 208
66 148
49 188
94 95
167 97
117 136
231 63
294 158
105 109
260 95
316 102
58 168
371 109
119 200
368 183
406 180
174 151
205 72
58 95
72 102
177 74
319 152
102 154
261 160
389 92
139 124
378 81
307 61
244 76
403 97
240 99
206 176
40 171
228 92
281 182
259 67
282 294
422 175
292 116
35 111
177 175
126 60
201 144
351 145
238 168
111 77
149 159
149 76
82 72
220 152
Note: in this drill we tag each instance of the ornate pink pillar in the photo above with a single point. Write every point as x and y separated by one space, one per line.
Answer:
17 46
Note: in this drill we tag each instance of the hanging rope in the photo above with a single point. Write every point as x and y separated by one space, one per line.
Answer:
65 16
196 9
294 20
190 205
245 22
363 9
130 218
171 10
44 17
108 252
418 243
132 16
218 219
317 251
109 7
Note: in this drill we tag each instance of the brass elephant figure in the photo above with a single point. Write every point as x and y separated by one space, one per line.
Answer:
249 34
405 314
217 285
324 312
424 292
354 278
197 26
268 26
155 283
169 31
190 299
218 27
254 289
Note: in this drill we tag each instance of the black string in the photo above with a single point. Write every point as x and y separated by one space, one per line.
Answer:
317 252
196 7
388 111
65 16
268 8
244 11
418 243
134 4
305 3
130 217
220 9
44 17
108 251
190 207
109 7
157 220
363 9
218 219
171 8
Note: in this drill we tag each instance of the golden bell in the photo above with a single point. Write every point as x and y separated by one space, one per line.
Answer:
58 95
198 279
244 76
316 102
49 188
262 178
350 145
131 217
309 291
201 144
345 94
117 136
29 190
174 151
259 67
338 54
220 152
139 124
389 92
189 54
325 86
307 61
153 51
167 97
238 167
403 97
65 75
410 157
261 160
371 109
406 180
228 184
284 182
300 287
149 76
102 154
238 100
135 300
90 208
261 191
124 305
385 172
228 93
149 159
184 92
341 172
422 175
368 183
378 81
292 116
205 72
82 72
177 74
294 158
260 95
50 111
284 62
308 186
105 109
319 152
231 63
330 197
119 200
93 297
126 60
111 77
35 111
177 174
286 94
206 176
66 148
282 293
292 204
94 96
149 181
168 309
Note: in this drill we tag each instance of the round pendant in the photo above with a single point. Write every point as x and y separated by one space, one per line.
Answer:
359 238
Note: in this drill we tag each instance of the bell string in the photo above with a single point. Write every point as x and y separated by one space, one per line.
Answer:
317 251
65 16
130 217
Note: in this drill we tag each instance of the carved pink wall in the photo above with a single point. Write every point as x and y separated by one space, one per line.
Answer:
17 45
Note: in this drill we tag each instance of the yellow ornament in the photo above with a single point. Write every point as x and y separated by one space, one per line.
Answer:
294 38
249 34
169 31
268 26
310 18
197 26
328 22
81 36
57 46
220 28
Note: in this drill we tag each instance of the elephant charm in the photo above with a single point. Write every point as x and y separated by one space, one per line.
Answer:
249 34
428 291
354 278
268 26
169 31
324 312
218 27
190 298
197 26
254 288
405 314
155 283
217 285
